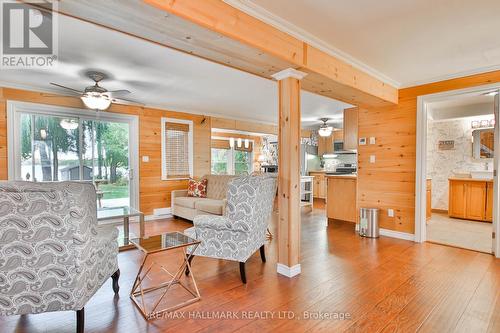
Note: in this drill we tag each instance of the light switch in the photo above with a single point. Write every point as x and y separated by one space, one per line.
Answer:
390 212
372 158
145 158
372 140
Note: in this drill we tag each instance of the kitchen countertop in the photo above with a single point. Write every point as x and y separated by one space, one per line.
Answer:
470 179
346 176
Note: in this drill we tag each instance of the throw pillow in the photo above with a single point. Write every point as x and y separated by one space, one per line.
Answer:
197 188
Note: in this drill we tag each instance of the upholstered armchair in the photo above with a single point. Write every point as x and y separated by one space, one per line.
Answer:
241 231
53 256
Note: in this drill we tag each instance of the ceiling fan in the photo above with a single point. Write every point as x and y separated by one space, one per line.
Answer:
95 96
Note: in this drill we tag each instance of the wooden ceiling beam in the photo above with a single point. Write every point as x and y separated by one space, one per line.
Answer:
328 75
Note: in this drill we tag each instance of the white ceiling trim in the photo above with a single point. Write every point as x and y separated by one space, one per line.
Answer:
265 16
481 70
4 84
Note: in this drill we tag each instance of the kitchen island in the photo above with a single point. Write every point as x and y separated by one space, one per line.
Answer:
341 203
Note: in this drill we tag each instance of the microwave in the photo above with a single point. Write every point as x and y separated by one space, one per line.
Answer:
338 146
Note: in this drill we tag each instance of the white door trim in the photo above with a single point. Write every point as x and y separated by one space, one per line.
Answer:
421 163
14 108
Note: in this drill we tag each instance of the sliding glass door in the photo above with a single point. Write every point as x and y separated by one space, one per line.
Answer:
66 146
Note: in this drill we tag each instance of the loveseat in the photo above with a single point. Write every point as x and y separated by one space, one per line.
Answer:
214 204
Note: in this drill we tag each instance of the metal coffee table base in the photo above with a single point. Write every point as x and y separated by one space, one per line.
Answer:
138 292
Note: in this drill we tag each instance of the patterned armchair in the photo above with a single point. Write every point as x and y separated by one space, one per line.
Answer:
53 256
242 230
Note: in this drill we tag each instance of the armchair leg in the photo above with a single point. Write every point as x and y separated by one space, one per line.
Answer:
80 320
115 277
242 273
263 253
187 268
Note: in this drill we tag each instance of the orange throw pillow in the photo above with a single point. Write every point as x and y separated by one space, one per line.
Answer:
197 188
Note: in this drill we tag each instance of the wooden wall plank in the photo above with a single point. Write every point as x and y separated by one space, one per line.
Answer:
390 182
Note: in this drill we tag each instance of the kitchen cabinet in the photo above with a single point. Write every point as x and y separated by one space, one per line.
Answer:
325 145
489 202
341 202
351 128
468 199
320 185
428 200
338 135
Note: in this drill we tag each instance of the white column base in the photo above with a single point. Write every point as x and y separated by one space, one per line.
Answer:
289 271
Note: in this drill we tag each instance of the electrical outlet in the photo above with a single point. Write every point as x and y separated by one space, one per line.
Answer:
372 158
145 158
372 140
390 212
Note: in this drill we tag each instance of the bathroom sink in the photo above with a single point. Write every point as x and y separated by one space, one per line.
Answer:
481 174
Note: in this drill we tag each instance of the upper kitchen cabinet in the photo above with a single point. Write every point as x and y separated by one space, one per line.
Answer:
351 128
325 145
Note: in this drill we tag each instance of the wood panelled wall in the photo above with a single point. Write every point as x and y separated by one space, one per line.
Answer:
390 182
154 193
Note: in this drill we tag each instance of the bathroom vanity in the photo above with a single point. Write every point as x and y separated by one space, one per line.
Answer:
471 199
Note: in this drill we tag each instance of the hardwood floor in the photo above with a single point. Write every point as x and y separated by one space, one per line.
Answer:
384 285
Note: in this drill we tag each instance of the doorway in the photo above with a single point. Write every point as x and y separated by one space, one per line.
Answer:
48 143
456 187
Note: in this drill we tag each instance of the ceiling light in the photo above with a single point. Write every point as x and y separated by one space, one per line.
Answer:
231 142
96 100
239 142
247 144
69 124
491 93
325 130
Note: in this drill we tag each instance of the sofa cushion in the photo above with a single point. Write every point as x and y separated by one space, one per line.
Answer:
210 206
217 186
187 202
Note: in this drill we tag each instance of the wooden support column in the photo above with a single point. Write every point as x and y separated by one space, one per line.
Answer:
289 171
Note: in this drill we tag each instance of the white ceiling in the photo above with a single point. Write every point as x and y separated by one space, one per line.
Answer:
404 42
462 106
161 77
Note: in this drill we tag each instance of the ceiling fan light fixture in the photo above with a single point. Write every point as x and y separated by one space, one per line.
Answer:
69 124
96 101
325 130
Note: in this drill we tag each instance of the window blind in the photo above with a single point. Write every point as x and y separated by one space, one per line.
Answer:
177 150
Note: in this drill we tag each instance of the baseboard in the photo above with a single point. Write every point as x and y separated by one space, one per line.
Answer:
393 234
439 211
158 214
397 234
288 271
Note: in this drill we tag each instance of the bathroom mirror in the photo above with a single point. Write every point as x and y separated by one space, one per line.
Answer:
482 143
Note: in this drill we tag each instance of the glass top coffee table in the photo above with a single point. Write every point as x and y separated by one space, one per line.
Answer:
150 307
125 213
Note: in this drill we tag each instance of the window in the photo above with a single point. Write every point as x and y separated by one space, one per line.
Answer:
177 148
220 158
230 161
50 143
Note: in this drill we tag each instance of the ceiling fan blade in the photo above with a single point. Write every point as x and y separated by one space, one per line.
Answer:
67 88
119 92
125 101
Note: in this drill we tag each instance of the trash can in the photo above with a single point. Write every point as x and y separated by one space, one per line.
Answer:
368 222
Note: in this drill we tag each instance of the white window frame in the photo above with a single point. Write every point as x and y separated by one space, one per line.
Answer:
16 108
163 146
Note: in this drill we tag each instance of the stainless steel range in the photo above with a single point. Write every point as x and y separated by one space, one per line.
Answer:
344 169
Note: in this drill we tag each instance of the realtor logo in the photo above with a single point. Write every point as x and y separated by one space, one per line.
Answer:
28 34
